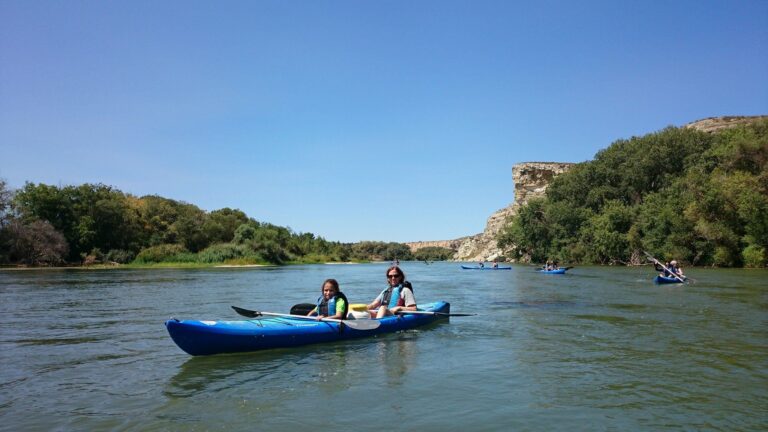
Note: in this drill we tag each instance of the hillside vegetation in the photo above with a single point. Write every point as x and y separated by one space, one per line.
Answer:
94 223
678 193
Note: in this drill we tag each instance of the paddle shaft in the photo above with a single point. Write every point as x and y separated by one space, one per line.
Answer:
418 312
353 324
662 266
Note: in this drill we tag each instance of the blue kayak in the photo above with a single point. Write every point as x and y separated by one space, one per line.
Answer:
558 271
667 279
217 337
485 268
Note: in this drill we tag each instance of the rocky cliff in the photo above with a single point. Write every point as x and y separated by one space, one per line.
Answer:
530 180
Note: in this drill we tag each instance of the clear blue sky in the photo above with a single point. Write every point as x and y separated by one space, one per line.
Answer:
357 120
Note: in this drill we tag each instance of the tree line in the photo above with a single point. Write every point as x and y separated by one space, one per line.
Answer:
93 223
681 193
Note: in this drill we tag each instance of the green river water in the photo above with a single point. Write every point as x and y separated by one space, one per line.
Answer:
596 349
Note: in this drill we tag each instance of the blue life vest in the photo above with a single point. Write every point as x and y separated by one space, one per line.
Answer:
323 307
391 296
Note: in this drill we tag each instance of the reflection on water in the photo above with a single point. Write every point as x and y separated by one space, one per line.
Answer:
330 367
599 349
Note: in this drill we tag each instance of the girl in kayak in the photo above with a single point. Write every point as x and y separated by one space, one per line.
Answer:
398 296
332 304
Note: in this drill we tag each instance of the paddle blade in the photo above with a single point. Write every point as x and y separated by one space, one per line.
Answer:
302 308
246 312
363 324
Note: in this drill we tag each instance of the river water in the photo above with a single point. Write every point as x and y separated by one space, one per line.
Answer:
596 349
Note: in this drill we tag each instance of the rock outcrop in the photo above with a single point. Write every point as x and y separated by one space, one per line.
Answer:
531 180
714 124
449 244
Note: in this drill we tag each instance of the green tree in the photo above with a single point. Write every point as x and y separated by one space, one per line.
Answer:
701 198
433 253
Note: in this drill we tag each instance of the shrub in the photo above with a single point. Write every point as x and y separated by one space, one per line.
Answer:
317 258
36 243
161 253
221 252
120 256
754 256
723 257
433 253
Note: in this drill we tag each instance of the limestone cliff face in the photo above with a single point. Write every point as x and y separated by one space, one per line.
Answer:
530 180
450 244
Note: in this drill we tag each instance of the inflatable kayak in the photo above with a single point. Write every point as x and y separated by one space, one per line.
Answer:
217 337
558 271
485 268
667 280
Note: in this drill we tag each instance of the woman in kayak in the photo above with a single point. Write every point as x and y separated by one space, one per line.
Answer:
397 297
674 269
671 269
332 304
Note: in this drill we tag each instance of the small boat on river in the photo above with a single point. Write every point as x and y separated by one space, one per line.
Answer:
285 331
667 280
556 271
484 268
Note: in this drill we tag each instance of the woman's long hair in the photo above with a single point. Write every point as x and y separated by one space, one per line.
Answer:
399 273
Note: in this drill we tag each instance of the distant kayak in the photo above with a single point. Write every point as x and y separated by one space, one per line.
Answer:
558 271
485 268
667 280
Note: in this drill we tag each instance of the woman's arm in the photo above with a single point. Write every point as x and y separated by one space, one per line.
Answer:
375 303
408 299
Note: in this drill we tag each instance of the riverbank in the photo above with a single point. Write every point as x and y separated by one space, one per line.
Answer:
170 265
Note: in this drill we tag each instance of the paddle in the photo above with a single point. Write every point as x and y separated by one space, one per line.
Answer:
662 266
353 324
434 313
418 312
302 308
